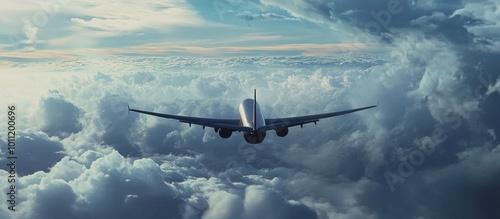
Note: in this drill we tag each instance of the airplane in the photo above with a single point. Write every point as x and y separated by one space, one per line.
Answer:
251 122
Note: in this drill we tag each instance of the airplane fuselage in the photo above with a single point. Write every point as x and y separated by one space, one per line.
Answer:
248 119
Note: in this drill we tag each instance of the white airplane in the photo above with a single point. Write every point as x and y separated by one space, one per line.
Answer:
252 123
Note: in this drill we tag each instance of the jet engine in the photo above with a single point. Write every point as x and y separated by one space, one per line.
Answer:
282 132
225 133
254 137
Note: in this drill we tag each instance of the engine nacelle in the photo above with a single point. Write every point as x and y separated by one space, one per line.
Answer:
282 132
225 133
254 137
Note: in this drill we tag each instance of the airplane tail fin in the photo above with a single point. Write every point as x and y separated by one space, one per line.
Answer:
254 109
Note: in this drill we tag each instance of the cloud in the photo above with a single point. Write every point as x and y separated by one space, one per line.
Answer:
30 31
492 89
115 124
45 207
98 190
117 18
434 131
224 205
35 151
387 20
309 49
259 202
93 172
57 116
432 98
487 28
57 26
249 16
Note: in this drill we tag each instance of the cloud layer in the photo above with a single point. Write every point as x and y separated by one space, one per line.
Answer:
430 150
334 169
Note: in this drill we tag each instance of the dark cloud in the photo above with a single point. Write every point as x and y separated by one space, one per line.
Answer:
35 151
58 117
436 84
422 100
468 23
45 206
115 124
136 188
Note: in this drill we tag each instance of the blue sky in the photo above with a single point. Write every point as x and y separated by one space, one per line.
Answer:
59 28
430 149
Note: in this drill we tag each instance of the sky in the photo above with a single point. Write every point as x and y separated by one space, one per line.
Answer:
429 150
158 28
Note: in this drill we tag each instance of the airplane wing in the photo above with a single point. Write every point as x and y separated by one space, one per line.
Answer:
231 124
301 120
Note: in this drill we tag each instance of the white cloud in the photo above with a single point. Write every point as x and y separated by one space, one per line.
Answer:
297 9
30 32
248 16
118 17
222 205
334 169
427 21
318 12
492 89
488 29
91 170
